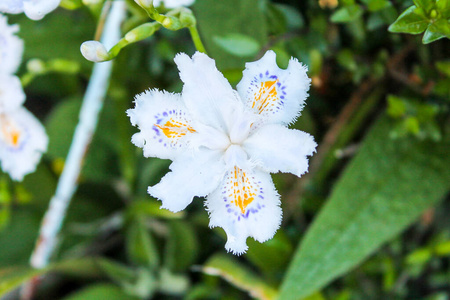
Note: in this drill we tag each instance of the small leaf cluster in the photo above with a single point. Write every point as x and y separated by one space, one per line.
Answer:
429 16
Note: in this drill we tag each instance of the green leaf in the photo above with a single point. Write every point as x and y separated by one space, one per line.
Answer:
182 246
444 67
238 44
426 5
409 22
12 278
381 193
151 208
376 5
100 291
443 7
347 14
141 248
217 18
235 273
441 26
271 256
429 36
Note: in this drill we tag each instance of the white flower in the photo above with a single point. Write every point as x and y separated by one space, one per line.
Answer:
11 47
224 143
33 9
11 93
173 3
22 142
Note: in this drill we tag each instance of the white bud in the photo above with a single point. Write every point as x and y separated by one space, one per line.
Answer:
94 51
144 3
36 66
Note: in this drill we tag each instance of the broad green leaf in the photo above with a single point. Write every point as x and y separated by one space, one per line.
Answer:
238 44
347 14
382 191
141 248
218 18
182 246
228 268
100 291
429 36
409 22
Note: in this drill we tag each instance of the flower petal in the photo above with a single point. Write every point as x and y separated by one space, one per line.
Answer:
193 174
11 93
164 122
22 142
206 93
173 3
37 9
278 95
277 148
11 6
11 47
245 204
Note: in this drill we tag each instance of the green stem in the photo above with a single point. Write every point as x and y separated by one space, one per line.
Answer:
196 39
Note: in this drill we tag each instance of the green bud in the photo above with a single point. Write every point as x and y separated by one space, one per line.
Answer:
171 23
145 4
433 14
36 66
141 32
187 18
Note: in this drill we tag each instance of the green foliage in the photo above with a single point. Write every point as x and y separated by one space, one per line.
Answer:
355 222
431 16
367 217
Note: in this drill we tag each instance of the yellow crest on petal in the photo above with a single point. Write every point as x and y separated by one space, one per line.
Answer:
266 98
241 191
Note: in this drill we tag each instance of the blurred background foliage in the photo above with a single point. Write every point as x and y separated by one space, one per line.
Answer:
369 221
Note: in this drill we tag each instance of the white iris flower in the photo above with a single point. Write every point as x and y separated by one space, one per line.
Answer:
225 143
22 136
173 3
33 9
11 47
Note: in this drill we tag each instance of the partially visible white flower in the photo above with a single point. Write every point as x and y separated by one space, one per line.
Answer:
33 9
225 143
11 47
173 3
22 142
11 93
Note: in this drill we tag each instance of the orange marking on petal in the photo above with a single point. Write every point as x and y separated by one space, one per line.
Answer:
10 134
243 192
266 96
175 129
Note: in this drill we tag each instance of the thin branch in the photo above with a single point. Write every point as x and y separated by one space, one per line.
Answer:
67 184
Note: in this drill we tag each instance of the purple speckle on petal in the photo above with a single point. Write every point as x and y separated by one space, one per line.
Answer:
282 97
229 210
261 197
165 114
260 75
160 140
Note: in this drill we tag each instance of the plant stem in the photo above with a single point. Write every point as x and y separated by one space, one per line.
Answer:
92 105
196 38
